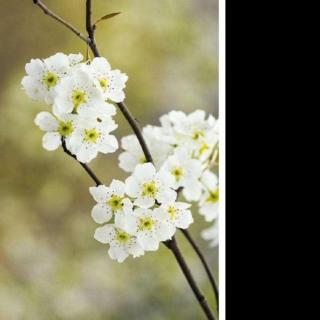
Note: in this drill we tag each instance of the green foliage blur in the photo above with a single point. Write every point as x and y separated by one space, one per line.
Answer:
50 265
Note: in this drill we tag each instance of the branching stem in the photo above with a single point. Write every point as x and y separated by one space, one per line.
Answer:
171 244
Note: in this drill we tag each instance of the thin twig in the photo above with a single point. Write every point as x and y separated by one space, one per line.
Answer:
123 108
201 257
172 245
90 29
136 128
48 12
204 263
84 166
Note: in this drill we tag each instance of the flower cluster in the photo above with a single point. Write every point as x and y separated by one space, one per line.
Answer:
139 213
143 211
79 94
184 147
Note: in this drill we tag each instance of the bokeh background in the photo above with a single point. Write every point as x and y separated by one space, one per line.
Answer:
50 265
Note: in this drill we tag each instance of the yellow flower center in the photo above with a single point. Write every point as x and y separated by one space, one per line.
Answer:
177 172
78 97
103 83
213 196
122 237
146 224
203 148
50 80
91 135
115 203
197 135
149 189
65 128
172 212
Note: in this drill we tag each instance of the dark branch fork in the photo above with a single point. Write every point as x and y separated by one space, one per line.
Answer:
171 244
204 263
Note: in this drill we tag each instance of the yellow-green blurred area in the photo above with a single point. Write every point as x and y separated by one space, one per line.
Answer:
50 265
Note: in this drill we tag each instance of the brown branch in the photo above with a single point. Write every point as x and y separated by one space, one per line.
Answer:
84 166
48 12
204 263
136 129
123 108
172 245
91 29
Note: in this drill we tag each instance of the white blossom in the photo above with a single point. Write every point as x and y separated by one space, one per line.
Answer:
192 131
92 136
148 227
111 82
121 243
43 76
56 128
185 172
176 214
133 153
78 93
148 186
209 202
110 201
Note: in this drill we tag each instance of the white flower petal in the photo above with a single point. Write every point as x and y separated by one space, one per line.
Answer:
101 213
100 64
184 219
145 171
209 179
132 187
118 187
35 67
135 250
117 96
51 141
46 121
166 196
105 234
192 191
148 242
128 161
127 222
165 231
86 153
209 211
110 145
118 253
144 202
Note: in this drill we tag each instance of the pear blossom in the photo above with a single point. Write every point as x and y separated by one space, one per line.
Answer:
122 244
148 186
148 228
134 155
194 125
78 93
111 82
176 214
43 76
92 136
56 128
212 234
110 201
192 131
185 172
209 202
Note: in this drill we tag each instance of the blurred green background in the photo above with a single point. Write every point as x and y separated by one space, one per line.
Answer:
50 265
